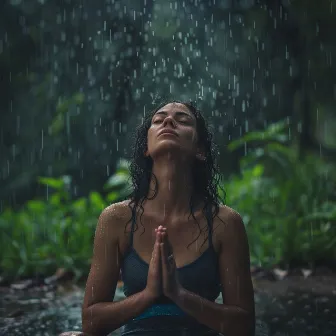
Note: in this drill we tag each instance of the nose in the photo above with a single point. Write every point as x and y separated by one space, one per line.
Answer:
169 120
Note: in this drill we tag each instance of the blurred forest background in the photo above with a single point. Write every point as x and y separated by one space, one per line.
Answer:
77 76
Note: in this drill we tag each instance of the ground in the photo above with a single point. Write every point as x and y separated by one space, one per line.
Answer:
295 306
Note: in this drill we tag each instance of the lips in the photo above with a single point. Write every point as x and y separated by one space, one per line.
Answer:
167 131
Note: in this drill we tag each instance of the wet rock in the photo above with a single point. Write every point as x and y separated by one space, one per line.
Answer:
262 273
60 275
4 282
28 283
280 274
322 270
22 285
306 272
15 313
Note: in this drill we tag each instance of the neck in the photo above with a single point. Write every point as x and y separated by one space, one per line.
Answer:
174 187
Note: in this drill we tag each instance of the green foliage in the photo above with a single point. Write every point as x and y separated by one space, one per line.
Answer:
118 185
287 203
55 232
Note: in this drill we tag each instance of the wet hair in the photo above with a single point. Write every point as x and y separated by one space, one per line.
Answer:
206 177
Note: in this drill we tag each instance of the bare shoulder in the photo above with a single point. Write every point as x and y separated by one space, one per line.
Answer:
229 224
117 211
113 218
229 215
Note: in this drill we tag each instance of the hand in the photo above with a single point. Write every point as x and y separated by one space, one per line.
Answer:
170 283
154 278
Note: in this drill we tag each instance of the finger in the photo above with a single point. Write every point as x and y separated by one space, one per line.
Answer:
164 261
164 240
160 229
158 240
163 233
155 247
167 243
158 236
156 256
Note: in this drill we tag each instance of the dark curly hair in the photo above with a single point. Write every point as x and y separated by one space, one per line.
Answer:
205 174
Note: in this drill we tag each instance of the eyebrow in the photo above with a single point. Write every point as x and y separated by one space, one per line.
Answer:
178 113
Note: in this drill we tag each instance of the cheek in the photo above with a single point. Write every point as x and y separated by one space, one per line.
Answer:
192 137
190 141
149 139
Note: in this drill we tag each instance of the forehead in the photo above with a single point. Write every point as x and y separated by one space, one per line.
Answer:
175 107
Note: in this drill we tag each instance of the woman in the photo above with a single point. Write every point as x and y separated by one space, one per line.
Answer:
189 249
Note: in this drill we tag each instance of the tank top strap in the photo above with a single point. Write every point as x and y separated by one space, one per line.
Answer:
210 223
133 221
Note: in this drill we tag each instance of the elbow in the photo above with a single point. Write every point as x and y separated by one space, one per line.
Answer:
89 323
248 324
251 322
93 324
243 325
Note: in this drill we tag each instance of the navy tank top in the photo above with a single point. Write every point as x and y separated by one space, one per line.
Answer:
200 276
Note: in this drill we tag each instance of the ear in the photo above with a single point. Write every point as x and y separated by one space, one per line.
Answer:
146 153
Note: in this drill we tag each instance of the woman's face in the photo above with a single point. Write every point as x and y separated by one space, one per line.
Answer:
173 129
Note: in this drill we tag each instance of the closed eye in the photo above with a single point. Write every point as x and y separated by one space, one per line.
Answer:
156 121
184 121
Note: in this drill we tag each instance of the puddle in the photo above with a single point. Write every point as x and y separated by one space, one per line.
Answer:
46 313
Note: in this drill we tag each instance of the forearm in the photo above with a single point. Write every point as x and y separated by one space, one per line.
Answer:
228 320
104 317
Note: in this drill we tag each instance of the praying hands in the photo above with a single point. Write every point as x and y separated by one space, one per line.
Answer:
170 284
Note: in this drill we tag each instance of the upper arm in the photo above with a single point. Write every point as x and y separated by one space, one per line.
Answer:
234 264
105 265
